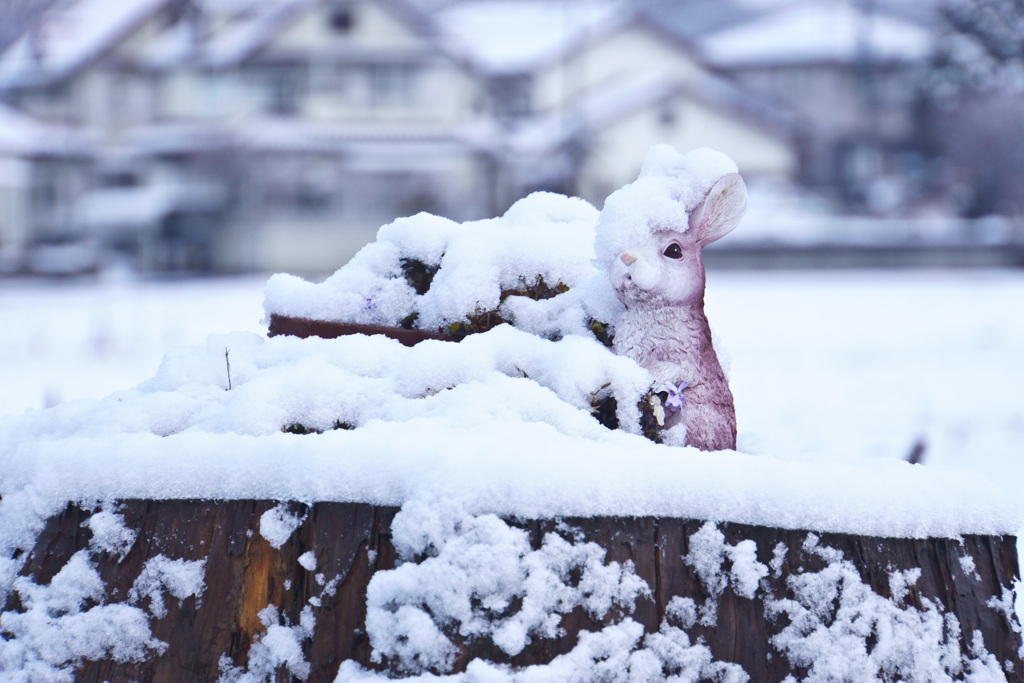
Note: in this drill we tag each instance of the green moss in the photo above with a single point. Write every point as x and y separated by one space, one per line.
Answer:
482 320
601 332
536 290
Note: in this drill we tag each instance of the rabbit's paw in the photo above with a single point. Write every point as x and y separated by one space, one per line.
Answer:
665 373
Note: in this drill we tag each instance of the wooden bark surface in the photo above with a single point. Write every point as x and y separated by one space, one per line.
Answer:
244 574
305 327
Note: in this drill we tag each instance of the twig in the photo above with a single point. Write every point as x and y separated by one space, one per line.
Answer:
228 362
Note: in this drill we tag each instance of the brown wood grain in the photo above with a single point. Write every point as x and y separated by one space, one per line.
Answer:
305 327
351 541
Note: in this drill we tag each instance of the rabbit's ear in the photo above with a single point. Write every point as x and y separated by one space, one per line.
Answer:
720 211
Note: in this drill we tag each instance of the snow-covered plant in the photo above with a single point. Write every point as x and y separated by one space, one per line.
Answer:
531 267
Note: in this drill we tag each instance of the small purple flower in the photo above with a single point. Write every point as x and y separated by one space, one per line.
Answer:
370 305
674 402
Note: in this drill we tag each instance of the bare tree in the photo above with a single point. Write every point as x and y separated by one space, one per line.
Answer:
974 113
981 46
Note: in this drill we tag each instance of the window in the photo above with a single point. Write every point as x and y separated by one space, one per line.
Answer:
513 97
285 87
341 18
45 185
119 99
667 113
391 84
118 178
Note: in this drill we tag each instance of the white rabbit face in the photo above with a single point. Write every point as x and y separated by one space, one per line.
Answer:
651 232
666 270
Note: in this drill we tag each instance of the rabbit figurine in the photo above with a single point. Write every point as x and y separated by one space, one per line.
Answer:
649 236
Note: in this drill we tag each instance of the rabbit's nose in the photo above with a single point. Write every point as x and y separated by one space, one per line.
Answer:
627 258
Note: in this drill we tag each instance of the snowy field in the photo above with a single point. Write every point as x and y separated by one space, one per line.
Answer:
65 340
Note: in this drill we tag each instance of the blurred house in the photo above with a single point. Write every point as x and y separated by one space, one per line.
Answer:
43 168
852 71
580 90
279 134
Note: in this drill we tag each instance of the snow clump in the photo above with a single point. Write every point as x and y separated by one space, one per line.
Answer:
180 578
840 629
474 576
278 524
708 549
307 561
56 632
109 534
480 578
531 267
279 646
618 653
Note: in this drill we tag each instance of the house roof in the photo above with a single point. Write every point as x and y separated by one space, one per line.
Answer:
21 135
114 207
286 135
239 40
70 35
230 31
629 95
243 37
515 36
817 31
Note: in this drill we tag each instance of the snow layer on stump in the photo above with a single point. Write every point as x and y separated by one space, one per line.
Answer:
501 420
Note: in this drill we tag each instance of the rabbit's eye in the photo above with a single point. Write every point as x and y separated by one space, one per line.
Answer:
674 251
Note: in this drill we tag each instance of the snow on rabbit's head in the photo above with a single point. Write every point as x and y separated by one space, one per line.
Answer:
650 232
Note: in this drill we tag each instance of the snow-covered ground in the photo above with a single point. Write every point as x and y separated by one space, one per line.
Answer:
69 339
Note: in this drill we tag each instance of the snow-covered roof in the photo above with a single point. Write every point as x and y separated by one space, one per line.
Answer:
230 31
240 39
513 36
601 107
22 135
630 94
117 207
817 31
289 135
67 36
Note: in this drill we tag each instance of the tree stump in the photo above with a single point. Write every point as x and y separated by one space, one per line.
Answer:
351 541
